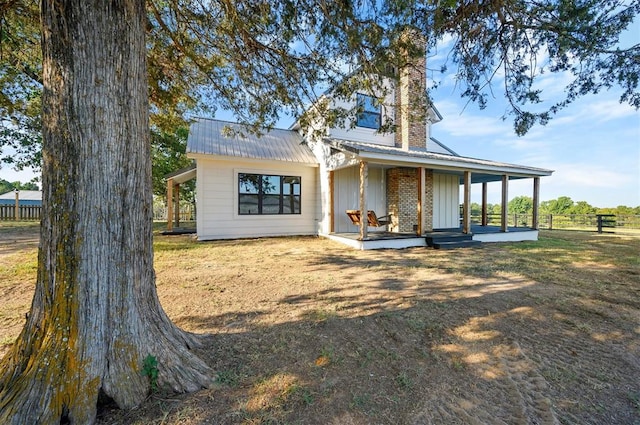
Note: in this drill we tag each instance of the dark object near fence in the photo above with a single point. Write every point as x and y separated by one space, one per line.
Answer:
606 220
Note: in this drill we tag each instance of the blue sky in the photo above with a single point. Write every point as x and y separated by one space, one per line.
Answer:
593 146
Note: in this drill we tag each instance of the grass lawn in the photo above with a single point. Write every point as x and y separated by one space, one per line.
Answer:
306 331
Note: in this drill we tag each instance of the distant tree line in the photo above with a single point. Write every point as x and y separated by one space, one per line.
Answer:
563 205
7 186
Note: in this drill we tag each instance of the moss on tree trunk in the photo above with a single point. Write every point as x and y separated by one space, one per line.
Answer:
95 314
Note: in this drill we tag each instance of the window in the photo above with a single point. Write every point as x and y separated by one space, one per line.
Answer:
368 111
267 194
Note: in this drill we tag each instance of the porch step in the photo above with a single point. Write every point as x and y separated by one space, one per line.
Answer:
453 245
450 240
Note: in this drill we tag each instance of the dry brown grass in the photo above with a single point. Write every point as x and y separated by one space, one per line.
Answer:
302 330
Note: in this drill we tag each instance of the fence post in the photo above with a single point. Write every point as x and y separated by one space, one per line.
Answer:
599 217
550 221
16 213
605 220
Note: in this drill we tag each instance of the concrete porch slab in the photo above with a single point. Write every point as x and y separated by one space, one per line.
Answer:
389 240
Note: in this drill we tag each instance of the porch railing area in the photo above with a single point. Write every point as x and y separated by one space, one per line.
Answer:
587 222
187 213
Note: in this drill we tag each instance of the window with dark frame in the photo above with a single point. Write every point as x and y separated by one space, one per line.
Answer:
265 194
368 111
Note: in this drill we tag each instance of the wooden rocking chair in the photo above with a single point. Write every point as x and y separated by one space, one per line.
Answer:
372 219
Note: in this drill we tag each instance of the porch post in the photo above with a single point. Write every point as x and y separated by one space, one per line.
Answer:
485 218
364 182
332 223
505 201
169 205
466 209
176 204
536 202
421 201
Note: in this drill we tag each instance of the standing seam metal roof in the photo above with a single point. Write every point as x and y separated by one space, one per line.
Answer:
23 195
207 136
360 148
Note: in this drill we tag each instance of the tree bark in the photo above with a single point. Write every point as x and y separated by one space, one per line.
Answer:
95 314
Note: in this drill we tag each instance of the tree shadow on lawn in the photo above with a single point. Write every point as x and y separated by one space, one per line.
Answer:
487 352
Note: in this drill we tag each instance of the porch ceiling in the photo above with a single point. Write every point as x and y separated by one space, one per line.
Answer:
481 170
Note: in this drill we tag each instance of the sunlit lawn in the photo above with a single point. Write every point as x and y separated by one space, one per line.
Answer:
307 331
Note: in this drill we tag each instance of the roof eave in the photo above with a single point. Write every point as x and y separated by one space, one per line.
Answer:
455 164
216 157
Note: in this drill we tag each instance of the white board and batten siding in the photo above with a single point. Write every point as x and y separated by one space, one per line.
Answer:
346 192
217 189
361 134
446 201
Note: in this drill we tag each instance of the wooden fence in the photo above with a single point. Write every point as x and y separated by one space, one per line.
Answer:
24 212
593 222
34 212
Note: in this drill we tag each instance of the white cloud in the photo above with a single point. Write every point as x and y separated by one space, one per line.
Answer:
12 175
460 123
588 175
609 109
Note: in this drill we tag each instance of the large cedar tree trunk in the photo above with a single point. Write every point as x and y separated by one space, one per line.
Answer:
95 315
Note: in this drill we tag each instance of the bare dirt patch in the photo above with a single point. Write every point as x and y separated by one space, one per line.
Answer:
302 330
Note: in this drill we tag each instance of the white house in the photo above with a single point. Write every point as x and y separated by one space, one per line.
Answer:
288 182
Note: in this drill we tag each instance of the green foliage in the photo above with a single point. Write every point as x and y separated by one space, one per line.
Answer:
582 207
150 370
492 209
619 210
523 40
168 154
262 60
6 186
521 205
562 205
20 84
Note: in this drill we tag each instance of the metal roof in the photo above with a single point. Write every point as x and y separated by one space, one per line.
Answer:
398 156
436 146
215 137
23 195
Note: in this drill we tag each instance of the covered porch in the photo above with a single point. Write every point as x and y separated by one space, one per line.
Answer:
417 189
174 181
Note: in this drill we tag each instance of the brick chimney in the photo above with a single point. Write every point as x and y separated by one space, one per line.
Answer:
410 101
406 194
